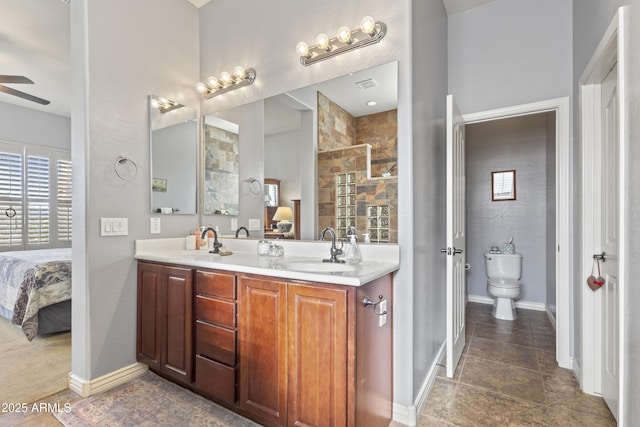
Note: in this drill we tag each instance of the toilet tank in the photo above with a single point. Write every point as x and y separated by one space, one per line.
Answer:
504 266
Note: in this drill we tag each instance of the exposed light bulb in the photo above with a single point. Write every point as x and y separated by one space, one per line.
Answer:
368 24
303 49
322 41
371 103
163 102
155 103
201 87
344 34
225 77
239 72
212 82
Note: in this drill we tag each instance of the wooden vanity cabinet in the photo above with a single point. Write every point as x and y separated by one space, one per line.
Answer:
311 354
215 335
263 348
165 320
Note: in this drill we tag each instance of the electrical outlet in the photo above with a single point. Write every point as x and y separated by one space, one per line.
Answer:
254 224
234 224
383 309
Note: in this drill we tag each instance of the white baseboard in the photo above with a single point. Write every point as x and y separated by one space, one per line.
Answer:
527 305
86 388
551 317
408 415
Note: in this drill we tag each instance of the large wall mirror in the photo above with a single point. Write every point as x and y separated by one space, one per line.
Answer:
221 166
174 156
350 159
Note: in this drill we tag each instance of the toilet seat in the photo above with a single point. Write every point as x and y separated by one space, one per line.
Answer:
504 283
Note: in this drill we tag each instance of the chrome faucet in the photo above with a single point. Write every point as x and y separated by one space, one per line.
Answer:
242 228
216 245
335 251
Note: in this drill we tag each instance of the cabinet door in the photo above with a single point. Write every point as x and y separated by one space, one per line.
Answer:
149 340
263 368
177 360
317 355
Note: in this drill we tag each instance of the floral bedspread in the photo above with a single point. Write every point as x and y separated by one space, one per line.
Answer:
32 280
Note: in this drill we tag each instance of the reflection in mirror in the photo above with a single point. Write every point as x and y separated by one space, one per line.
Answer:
357 154
345 174
174 156
221 166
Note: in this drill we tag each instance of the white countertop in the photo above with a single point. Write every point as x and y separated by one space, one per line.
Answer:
378 259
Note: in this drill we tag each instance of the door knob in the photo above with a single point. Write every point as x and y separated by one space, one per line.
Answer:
445 251
600 257
457 251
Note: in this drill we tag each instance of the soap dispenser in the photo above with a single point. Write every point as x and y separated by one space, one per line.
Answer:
353 252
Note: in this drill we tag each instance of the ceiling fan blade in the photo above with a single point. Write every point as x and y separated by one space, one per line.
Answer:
15 79
23 95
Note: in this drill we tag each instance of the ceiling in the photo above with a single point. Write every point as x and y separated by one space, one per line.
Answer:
35 42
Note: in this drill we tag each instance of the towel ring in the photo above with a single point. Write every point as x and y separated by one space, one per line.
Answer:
119 167
254 186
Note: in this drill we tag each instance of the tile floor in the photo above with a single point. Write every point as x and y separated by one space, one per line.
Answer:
508 376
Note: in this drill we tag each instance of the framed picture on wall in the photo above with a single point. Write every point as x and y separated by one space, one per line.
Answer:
503 185
159 185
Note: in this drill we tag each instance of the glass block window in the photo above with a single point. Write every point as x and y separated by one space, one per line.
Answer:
378 223
345 203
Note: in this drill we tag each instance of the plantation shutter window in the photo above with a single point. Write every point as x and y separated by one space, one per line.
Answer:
35 197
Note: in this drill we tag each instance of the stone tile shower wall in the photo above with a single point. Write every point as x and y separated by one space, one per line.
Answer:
344 148
221 171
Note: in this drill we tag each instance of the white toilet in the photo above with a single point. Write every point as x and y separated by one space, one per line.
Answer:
504 271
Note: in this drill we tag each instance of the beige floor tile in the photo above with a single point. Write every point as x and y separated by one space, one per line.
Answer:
545 342
510 354
508 380
504 333
477 407
440 399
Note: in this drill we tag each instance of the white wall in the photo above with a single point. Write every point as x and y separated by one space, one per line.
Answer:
518 143
27 126
119 57
510 52
282 161
421 200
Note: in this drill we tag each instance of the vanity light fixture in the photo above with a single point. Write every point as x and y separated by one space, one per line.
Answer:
164 105
346 39
226 82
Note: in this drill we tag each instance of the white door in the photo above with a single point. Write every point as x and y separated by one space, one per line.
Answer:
456 236
609 239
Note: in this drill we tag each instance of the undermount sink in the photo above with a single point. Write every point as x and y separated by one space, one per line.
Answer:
316 266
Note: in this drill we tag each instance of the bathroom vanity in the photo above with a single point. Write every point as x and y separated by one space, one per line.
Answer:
281 340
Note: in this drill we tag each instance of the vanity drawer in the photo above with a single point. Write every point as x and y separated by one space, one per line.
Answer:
216 284
212 310
216 380
216 343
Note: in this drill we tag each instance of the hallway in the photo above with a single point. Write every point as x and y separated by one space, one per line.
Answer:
508 376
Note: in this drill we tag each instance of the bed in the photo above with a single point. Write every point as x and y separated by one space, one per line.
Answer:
35 290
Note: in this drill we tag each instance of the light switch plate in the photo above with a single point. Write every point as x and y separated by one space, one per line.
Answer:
234 224
154 225
254 224
114 227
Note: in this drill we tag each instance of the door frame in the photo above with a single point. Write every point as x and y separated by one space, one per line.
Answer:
610 50
564 209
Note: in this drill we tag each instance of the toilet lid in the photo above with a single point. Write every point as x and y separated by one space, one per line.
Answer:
504 283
